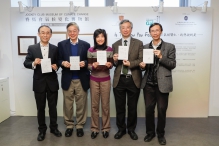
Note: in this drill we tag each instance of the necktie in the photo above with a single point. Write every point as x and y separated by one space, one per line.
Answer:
125 68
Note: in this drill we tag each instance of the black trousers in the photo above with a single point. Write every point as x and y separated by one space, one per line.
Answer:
126 86
153 96
52 98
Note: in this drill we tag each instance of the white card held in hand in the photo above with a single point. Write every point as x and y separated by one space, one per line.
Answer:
101 57
148 56
123 52
74 61
46 65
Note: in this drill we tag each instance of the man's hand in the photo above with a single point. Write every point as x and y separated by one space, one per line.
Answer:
158 53
66 64
82 64
37 61
126 63
54 67
142 65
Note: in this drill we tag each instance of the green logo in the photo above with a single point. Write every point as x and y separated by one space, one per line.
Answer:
149 22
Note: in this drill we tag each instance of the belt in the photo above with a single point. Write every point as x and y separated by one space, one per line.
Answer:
126 76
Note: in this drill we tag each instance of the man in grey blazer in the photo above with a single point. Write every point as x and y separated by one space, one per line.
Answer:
157 83
127 80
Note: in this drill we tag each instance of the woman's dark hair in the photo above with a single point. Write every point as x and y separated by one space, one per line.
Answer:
153 24
96 33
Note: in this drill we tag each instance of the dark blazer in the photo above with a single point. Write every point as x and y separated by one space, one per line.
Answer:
64 53
165 66
135 57
41 80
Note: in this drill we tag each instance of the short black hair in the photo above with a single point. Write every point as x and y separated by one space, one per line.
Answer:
153 24
96 33
44 26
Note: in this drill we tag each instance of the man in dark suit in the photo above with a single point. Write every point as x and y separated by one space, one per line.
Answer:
157 83
45 85
127 80
75 83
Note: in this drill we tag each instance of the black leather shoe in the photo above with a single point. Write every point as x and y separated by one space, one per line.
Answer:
105 134
94 135
56 132
119 134
41 136
133 135
162 140
149 137
80 132
68 132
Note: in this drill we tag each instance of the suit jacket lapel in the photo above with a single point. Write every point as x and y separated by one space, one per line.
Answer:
39 52
131 47
162 47
50 51
80 47
68 47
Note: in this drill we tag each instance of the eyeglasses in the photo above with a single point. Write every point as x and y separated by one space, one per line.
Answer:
45 33
155 31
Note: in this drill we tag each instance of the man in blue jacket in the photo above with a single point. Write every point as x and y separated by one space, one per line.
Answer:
75 83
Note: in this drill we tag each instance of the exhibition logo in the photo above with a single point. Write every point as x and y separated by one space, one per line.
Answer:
149 22
152 20
186 18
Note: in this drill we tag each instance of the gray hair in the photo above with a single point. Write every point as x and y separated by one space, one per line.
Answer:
73 24
124 21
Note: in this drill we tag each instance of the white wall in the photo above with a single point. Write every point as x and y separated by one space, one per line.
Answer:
214 86
6 66
6 60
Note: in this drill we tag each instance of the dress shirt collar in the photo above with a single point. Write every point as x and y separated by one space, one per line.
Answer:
155 46
41 45
74 43
128 41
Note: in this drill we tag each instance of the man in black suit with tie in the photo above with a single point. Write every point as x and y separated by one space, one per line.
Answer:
45 85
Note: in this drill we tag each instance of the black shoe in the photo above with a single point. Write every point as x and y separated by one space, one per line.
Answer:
119 134
56 132
133 135
41 136
94 135
162 140
68 132
105 134
80 132
149 137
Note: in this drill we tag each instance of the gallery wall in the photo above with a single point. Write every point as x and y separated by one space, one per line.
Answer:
7 67
181 27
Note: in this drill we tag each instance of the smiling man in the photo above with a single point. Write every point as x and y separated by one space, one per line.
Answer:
157 83
75 83
45 85
127 80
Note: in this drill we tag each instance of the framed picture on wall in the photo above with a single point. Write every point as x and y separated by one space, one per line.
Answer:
24 42
57 37
88 38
